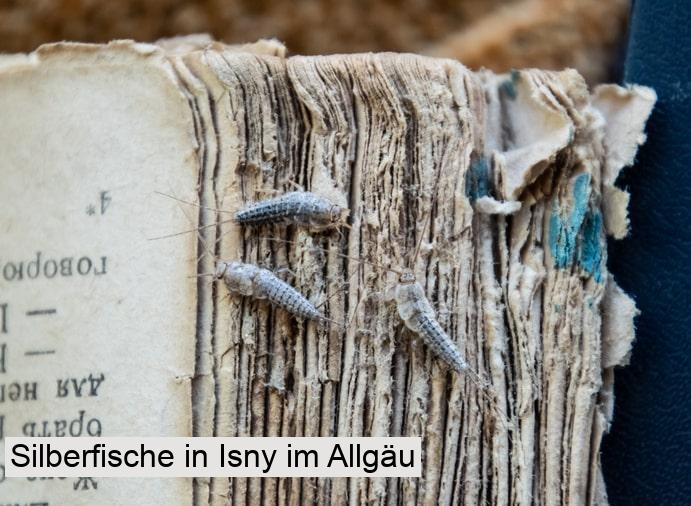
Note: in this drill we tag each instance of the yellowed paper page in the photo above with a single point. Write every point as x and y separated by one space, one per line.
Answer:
97 320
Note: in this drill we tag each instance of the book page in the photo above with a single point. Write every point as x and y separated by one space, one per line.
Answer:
97 321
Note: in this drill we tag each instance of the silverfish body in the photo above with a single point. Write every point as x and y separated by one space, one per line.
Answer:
257 283
418 315
302 208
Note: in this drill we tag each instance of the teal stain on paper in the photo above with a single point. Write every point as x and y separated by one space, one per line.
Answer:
564 226
508 86
575 232
590 253
477 179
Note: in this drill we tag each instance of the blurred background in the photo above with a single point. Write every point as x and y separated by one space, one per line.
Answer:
497 34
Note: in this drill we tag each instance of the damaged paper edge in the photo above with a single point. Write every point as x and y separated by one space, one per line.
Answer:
617 334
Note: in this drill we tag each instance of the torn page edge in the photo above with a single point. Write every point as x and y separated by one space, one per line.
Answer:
625 111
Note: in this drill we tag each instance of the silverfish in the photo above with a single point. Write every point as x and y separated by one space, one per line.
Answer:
252 281
418 315
302 208
256 282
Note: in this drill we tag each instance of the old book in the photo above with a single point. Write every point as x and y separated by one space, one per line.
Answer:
503 184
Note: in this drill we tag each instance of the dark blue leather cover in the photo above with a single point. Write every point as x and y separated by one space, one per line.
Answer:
647 456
